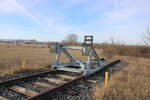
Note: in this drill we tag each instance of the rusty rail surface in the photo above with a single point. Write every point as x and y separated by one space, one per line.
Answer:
45 95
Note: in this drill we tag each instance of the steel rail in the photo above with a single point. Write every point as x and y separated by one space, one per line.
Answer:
25 78
45 95
50 92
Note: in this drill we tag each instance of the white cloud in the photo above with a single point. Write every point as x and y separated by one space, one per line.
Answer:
13 6
119 16
70 3
7 6
52 21
112 15
129 9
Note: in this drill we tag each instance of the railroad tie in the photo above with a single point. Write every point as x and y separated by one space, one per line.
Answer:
92 81
3 98
44 85
66 77
24 91
54 80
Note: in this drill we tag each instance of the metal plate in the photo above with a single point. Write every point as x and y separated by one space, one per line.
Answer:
88 39
87 49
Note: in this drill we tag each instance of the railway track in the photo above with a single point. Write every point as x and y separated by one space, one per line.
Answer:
42 86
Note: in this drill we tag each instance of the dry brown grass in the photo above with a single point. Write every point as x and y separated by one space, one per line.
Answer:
111 50
11 59
131 83
35 56
22 45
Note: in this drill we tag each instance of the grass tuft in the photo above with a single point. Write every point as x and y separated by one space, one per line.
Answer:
131 83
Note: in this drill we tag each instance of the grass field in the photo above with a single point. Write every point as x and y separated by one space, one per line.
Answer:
131 83
36 56
11 59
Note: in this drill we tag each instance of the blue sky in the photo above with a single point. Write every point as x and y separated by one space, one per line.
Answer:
53 20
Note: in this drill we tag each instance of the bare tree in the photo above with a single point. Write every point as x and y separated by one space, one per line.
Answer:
71 38
146 37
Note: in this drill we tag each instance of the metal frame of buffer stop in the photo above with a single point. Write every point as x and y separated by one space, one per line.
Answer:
85 67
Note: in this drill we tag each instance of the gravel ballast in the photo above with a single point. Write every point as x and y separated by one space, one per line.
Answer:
81 90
